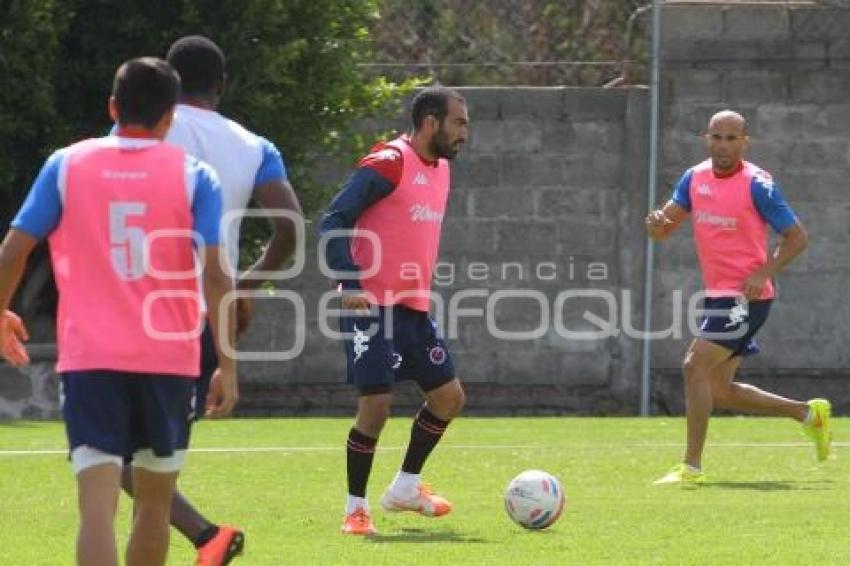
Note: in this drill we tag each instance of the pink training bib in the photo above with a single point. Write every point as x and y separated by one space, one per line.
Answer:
113 313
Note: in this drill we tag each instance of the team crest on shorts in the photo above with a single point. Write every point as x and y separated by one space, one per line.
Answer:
739 312
361 343
437 355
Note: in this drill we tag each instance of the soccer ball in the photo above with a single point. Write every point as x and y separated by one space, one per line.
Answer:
534 499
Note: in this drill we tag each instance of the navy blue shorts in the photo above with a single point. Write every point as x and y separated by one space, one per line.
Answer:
209 363
411 350
121 412
735 323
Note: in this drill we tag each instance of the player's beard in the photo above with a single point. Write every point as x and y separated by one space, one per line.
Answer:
442 147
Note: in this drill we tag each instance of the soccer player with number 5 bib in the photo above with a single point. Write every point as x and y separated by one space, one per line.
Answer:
124 216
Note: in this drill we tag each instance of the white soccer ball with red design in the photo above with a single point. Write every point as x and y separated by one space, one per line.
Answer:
534 499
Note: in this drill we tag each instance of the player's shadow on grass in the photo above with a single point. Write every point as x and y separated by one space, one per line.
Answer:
425 536
771 485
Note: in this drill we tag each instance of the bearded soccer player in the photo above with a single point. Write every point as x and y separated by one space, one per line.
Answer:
732 203
398 194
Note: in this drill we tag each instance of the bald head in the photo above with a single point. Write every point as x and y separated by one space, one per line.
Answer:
728 119
727 140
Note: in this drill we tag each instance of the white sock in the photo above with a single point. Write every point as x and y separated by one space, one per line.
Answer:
354 502
405 484
810 414
692 469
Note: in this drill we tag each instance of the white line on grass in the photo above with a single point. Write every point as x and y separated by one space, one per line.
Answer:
272 449
284 449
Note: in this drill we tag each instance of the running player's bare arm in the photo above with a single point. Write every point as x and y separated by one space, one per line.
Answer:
223 392
792 242
274 195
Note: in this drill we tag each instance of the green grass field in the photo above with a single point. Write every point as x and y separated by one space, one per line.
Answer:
283 480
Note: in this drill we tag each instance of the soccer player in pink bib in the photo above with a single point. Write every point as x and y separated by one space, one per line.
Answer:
124 217
732 203
398 194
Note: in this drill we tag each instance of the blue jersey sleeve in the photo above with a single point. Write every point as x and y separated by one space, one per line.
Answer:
682 192
364 188
770 203
40 213
272 167
206 204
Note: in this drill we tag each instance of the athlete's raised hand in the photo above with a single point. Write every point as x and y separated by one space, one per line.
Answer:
663 221
657 223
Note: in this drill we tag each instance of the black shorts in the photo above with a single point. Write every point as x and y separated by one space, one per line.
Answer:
398 344
120 413
734 323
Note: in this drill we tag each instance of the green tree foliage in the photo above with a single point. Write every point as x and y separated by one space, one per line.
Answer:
292 71
293 76
30 32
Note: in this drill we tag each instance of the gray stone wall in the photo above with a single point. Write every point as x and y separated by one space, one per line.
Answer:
551 189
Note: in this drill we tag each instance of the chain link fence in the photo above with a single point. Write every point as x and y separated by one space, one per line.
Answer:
512 42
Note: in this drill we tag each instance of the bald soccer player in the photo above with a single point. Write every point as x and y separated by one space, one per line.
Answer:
732 202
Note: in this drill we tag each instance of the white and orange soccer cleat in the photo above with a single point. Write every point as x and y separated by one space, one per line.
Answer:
358 522
425 502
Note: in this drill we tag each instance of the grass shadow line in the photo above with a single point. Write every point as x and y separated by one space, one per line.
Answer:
770 485
425 536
